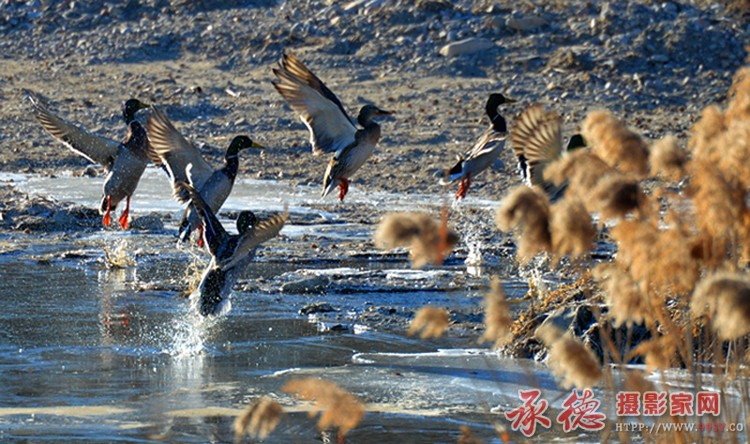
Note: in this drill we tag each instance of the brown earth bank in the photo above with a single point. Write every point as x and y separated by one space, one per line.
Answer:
654 64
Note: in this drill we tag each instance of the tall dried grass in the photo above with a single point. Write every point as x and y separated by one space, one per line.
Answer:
428 241
677 291
497 316
338 408
575 364
667 159
430 322
615 144
725 299
527 212
258 420
571 228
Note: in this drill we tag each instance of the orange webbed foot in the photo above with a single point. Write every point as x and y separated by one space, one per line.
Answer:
343 188
463 189
124 222
200 241
107 219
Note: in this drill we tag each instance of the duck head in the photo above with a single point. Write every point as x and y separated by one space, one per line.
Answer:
246 221
493 102
241 143
368 112
130 108
576 141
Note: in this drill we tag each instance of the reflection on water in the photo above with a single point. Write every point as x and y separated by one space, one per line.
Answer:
86 353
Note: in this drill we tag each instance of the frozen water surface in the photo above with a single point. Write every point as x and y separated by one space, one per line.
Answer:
95 354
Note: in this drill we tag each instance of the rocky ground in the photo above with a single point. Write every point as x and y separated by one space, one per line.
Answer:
655 64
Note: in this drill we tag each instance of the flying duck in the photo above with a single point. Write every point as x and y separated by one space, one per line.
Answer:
171 150
537 141
230 253
331 128
124 161
484 152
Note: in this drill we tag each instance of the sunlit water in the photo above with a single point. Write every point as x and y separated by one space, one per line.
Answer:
90 354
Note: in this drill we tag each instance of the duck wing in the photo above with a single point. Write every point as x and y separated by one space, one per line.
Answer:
255 236
213 232
537 140
486 143
329 125
169 148
93 147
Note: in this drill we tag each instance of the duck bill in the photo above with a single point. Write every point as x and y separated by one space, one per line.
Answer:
507 100
381 112
257 145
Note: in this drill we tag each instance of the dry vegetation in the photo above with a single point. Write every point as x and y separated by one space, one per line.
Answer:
681 224
676 294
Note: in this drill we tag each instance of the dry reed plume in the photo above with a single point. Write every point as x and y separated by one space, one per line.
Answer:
581 169
739 93
572 230
259 419
725 299
614 196
658 353
705 133
569 360
667 159
659 260
338 407
428 241
497 318
429 322
468 437
527 212
615 144
716 201
667 236
627 303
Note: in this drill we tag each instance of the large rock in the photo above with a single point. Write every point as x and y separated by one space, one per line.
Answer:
468 46
313 285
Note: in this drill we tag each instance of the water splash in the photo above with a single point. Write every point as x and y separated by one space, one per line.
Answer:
189 334
474 245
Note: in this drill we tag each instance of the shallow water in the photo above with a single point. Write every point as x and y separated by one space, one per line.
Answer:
86 356
96 354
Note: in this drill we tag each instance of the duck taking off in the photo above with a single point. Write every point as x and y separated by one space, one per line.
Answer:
537 141
170 149
484 152
331 128
124 161
230 253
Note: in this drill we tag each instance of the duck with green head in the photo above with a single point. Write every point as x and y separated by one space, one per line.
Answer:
485 150
184 163
230 253
124 161
537 141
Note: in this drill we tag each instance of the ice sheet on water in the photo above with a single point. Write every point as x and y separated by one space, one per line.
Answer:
447 381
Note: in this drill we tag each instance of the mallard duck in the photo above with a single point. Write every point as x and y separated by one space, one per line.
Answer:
331 128
124 161
170 149
537 141
484 152
230 253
